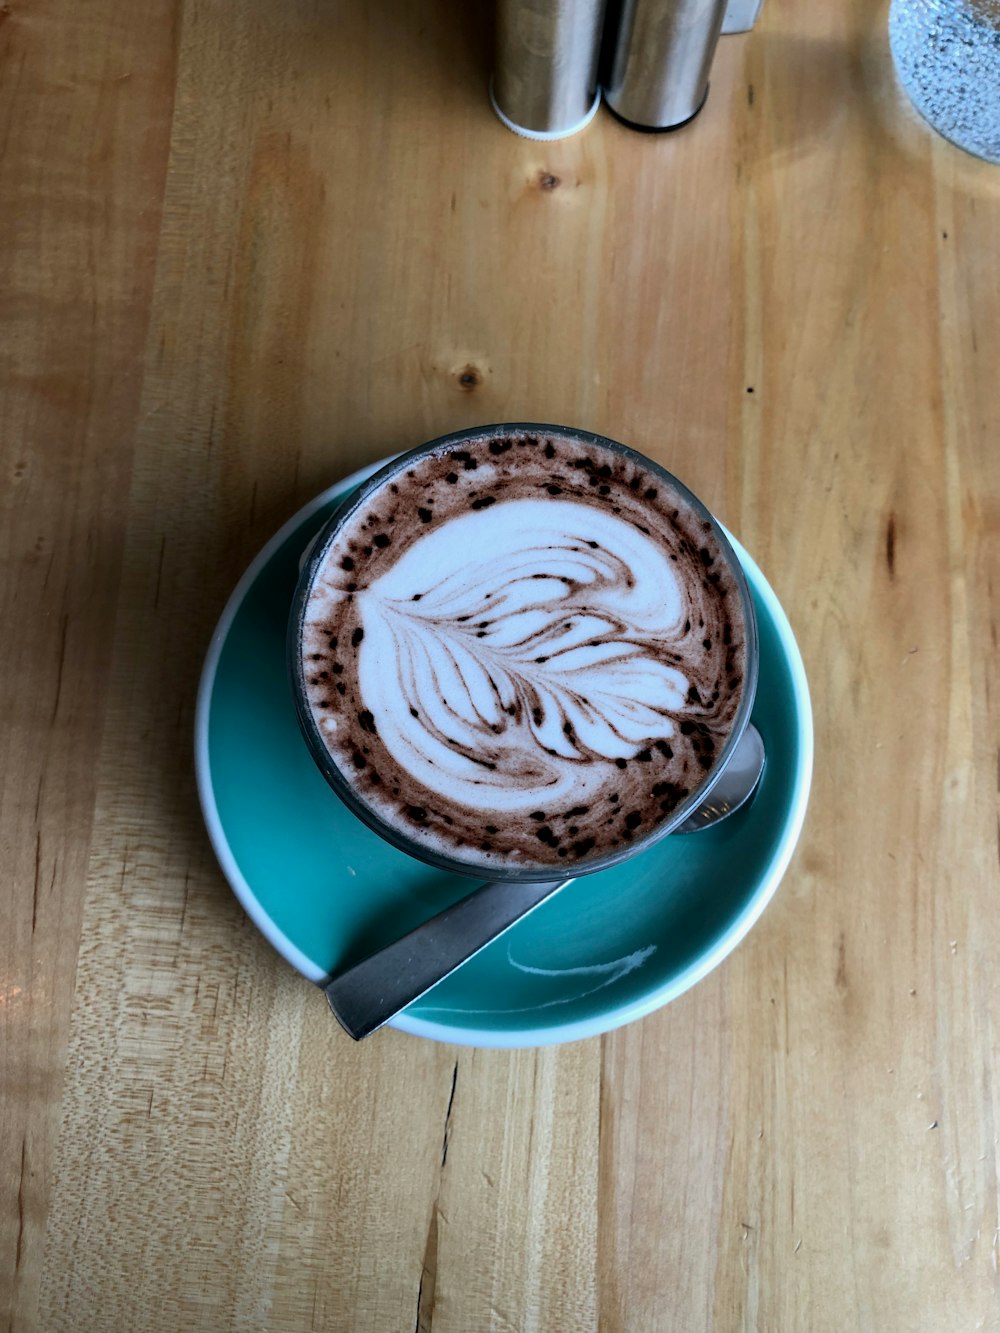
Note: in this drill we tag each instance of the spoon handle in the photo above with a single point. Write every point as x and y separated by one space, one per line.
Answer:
365 996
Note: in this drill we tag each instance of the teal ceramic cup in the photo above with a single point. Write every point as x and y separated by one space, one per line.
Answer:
368 496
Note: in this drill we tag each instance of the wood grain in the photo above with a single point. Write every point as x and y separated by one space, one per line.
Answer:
85 108
245 248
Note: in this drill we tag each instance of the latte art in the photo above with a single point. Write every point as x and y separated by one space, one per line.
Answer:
514 668
522 650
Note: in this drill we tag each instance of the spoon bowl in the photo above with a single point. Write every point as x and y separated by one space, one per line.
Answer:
736 785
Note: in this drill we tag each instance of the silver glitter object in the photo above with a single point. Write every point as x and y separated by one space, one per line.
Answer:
545 81
947 55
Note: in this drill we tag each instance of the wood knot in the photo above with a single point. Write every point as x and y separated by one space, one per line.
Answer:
547 181
469 377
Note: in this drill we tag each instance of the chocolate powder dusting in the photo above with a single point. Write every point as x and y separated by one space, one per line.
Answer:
708 646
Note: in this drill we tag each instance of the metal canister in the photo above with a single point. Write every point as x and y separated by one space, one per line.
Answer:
658 60
545 80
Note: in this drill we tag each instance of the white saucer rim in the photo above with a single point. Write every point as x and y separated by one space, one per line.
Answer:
608 1020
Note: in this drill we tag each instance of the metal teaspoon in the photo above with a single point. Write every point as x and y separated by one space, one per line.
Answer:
365 996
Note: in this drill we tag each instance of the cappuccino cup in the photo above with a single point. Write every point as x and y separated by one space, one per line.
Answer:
522 652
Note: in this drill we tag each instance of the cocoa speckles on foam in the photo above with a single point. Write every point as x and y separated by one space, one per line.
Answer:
622 798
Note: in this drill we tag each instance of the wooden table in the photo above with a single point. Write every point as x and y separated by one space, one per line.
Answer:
247 247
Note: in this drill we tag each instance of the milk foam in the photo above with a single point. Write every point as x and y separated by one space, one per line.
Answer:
529 636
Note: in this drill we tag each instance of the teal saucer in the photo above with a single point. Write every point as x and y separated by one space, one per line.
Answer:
326 891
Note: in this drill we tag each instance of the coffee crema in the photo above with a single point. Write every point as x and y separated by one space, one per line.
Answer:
523 649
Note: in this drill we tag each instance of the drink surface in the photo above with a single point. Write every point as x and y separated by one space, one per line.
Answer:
523 649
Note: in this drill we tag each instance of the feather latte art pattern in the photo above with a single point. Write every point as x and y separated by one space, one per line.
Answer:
521 650
518 666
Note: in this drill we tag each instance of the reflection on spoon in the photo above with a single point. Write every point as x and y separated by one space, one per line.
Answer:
736 784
